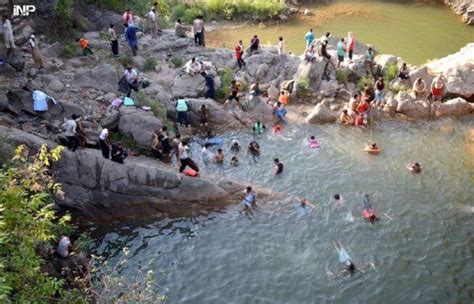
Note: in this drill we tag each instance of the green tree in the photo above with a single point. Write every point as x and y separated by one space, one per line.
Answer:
28 220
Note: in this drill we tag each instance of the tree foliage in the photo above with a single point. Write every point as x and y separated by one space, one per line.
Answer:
27 220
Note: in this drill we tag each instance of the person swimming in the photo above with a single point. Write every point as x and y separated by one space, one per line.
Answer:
338 201
415 168
304 203
313 143
277 128
234 161
368 212
344 258
254 148
235 146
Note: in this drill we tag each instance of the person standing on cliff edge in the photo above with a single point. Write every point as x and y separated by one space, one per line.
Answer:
281 51
239 52
198 29
309 37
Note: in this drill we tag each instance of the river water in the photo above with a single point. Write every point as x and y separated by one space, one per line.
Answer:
416 33
421 251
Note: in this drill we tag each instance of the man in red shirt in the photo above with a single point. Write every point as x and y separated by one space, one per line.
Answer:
239 51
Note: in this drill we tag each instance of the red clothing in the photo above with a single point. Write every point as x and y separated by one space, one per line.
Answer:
127 18
239 51
362 107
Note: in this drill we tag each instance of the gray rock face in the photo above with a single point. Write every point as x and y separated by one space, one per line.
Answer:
188 86
320 114
455 107
465 8
101 77
110 120
139 125
98 187
56 85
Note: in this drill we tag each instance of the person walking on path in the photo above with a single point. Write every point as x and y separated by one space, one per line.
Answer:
113 40
8 37
341 51
350 45
35 52
152 22
239 52
309 37
85 45
281 51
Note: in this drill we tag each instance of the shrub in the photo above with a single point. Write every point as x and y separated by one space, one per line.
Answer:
63 13
341 75
302 88
105 36
177 12
149 64
126 61
177 61
191 13
227 75
69 51
398 87
391 72
28 219
364 80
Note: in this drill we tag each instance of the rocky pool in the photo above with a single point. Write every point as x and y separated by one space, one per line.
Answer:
415 32
421 251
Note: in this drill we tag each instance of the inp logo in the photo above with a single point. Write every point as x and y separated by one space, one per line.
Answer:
23 10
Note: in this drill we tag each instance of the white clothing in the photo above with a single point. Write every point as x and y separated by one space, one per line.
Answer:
63 246
131 76
183 153
8 34
70 126
104 134
281 47
193 68
151 16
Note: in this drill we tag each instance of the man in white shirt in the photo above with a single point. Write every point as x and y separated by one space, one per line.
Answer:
184 159
70 127
8 35
193 67
104 143
281 51
152 21
132 78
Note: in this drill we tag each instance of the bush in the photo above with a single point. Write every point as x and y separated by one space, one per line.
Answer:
302 88
364 80
227 75
176 61
390 72
149 64
69 51
177 12
105 36
28 219
63 13
341 75
126 61
191 13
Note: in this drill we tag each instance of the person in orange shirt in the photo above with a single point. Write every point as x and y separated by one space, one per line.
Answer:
284 97
84 43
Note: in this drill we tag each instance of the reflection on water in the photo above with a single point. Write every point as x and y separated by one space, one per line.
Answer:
414 32
421 251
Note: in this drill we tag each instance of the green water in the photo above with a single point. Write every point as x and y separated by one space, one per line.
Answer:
414 32
423 253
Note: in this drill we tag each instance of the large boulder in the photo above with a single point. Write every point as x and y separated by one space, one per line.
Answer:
15 60
321 114
102 77
455 107
385 60
186 85
413 109
138 125
458 69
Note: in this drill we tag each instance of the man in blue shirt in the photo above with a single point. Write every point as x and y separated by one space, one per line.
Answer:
309 37
341 51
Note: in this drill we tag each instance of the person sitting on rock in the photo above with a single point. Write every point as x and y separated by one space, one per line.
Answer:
193 66
86 48
345 118
310 54
255 89
368 93
180 29
403 73
254 45
254 148
132 78
419 88
363 108
118 154
64 245
438 87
